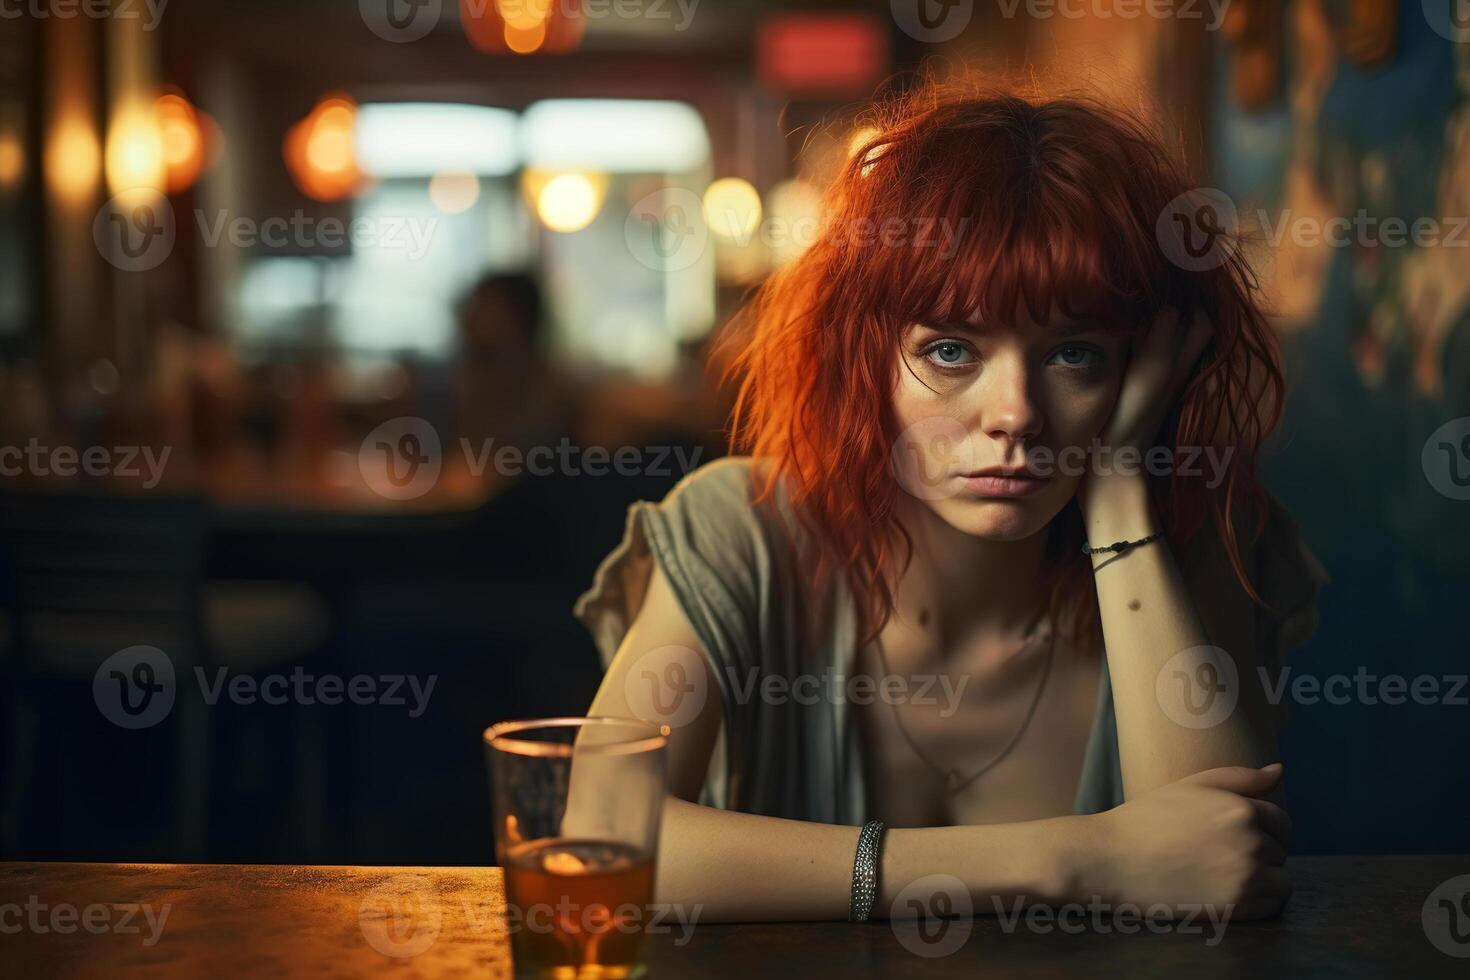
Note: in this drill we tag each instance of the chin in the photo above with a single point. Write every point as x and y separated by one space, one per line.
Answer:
998 518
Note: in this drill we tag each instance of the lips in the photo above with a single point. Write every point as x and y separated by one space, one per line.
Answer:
1002 481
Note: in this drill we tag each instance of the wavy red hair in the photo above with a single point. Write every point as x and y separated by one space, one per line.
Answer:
1055 201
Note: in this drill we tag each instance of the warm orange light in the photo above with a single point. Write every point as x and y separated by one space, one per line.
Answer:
522 26
524 40
12 161
73 159
182 129
523 15
319 150
134 153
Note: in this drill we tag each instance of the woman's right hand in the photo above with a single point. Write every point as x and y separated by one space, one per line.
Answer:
1210 839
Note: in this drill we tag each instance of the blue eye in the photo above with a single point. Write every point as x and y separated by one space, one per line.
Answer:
1073 356
949 353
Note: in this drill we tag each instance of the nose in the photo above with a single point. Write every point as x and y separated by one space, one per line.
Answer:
1009 414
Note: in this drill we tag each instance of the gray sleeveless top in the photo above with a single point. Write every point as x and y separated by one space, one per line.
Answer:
733 566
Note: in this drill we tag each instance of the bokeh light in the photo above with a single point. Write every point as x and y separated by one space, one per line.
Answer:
732 208
568 202
186 134
320 153
134 154
454 191
73 159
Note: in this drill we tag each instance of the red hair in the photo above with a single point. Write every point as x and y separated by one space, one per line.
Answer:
1055 203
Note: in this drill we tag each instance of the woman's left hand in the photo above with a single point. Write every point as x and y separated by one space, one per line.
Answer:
1162 361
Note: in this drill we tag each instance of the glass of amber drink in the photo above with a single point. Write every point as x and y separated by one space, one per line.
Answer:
577 804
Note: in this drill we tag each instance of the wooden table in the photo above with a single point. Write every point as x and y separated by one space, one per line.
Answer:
1351 917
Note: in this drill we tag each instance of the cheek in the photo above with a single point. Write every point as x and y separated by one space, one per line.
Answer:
1077 412
913 401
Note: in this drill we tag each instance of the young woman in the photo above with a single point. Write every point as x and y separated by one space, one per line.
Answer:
884 612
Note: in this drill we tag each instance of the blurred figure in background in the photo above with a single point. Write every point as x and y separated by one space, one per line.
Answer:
508 389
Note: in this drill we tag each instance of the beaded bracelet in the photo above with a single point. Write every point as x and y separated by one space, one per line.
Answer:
1120 546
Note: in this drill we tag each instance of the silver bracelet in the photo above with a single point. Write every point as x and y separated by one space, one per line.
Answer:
865 873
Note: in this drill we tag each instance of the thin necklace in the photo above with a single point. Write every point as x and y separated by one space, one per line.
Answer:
953 780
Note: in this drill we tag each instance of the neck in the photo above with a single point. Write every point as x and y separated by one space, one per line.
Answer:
966 583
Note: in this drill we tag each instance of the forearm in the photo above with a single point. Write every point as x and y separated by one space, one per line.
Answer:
742 867
1148 617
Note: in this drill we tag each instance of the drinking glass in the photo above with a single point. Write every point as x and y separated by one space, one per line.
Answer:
577 804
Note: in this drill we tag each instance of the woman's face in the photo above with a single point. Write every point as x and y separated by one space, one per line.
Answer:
1024 398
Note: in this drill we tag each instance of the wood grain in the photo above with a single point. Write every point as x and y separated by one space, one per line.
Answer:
1350 917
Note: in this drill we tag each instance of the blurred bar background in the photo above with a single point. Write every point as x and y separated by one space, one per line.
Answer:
289 291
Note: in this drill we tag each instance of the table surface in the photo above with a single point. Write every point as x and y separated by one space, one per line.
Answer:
1350 917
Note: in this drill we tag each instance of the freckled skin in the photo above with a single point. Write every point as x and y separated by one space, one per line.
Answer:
1135 605
1013 388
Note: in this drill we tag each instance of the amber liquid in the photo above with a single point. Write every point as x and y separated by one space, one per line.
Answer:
578 908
